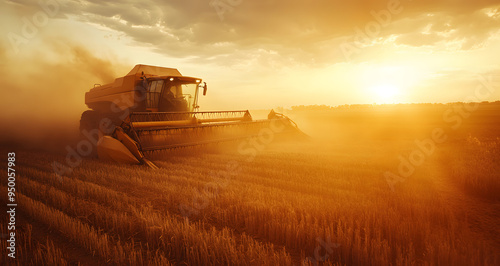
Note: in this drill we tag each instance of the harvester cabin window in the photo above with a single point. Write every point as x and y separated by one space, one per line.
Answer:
176 90
154 93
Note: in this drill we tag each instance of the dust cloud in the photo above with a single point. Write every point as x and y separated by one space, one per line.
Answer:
42 92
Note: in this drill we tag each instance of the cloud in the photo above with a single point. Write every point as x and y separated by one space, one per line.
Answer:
296 29
472 30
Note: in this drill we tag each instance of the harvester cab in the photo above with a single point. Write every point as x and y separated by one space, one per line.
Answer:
155 109
169 94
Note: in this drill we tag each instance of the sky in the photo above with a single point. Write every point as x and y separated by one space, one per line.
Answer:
253 54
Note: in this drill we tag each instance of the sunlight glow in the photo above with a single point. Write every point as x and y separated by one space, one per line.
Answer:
385 93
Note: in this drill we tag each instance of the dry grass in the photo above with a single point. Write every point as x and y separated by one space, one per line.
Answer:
475 167
273 209
48 254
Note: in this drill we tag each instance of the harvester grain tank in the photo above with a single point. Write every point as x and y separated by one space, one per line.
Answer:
154 109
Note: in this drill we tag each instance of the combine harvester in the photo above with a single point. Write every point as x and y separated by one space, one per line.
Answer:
154 109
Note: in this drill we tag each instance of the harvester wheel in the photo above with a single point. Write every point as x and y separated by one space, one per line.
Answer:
89 121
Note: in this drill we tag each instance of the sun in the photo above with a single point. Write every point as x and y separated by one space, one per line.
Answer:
385 93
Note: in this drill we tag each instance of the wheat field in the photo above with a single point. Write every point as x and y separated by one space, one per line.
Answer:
325 201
